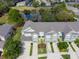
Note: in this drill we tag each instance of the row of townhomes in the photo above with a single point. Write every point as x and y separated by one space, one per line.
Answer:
47 2
51 31
5 32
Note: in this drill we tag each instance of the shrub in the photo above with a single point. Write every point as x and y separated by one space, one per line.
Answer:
63 46
14 16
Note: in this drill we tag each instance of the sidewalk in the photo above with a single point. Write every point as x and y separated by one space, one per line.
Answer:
55 55
72 53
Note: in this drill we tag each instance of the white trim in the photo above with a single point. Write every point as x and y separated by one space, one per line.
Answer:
28 34
2 38
29 29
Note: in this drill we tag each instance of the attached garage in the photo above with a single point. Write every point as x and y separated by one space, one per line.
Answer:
24 38
35 37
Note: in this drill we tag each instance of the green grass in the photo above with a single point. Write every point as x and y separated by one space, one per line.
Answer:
42 49
42 58
31 49
66 56
72 46
4 19
63 50
18 34
14 44
51 44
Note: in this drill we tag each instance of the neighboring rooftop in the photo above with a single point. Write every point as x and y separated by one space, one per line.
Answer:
2 44
5 29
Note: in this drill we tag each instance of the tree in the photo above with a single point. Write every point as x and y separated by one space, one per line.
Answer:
36 3
58 7
1 5
43 4
27 11
61 13
8 2
46 15
64 16
12 47
3 8
14 16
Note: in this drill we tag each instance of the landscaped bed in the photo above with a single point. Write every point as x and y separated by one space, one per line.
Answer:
77 42
63 46
13 46
31 49
42 58
66 56
51 44
42 48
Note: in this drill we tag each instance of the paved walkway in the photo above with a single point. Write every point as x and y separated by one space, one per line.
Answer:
48 48
72 53
55 47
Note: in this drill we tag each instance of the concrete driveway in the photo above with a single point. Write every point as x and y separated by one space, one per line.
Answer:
26 51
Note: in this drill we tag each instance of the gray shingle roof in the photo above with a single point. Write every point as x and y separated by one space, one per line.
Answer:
55 26
5 29
2 44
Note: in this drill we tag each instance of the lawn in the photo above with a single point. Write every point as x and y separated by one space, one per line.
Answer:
51 44
29 8
4 19
31 49
42 58
42 48
77 42
66 56
18 34
23 8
